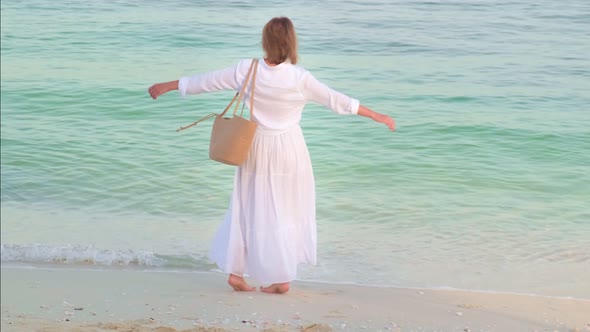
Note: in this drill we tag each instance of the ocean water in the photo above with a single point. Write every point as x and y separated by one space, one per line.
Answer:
485 185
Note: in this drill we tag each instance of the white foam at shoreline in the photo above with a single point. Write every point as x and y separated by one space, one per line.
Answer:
71 254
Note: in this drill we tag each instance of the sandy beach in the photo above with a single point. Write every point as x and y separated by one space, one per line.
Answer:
50 299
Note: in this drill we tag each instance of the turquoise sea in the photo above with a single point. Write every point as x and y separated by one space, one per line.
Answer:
484 186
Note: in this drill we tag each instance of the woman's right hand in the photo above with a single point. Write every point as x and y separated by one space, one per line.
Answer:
161 88
386 120
382 118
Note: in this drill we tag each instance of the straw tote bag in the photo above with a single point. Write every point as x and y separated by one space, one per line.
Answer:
231 137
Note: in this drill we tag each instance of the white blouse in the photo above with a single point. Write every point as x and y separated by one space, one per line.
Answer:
280 93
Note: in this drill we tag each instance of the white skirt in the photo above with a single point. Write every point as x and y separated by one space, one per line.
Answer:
270 226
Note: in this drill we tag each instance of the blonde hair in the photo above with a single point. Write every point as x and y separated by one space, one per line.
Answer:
279 40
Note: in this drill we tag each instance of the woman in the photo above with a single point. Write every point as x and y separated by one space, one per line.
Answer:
270 226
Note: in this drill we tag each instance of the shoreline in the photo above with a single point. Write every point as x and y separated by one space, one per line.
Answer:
57 299
50 266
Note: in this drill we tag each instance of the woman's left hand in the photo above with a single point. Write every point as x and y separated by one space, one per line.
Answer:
161 88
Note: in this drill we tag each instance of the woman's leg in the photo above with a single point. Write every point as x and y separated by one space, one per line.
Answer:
281 288
239 284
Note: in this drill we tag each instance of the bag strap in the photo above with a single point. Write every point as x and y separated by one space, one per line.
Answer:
196 122
253 65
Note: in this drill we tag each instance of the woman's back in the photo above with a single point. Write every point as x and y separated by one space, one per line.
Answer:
280 93
278 100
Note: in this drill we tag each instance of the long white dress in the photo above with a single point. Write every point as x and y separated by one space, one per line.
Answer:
270 226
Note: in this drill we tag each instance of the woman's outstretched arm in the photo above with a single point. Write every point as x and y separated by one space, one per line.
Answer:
161 88
224 79
338 102
382 118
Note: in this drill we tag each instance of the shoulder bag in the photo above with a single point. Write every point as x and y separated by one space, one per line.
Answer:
231 137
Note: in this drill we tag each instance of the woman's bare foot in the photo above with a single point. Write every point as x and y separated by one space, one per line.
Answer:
276 288
239 284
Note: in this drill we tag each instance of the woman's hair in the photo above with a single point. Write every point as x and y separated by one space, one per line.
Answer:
279 40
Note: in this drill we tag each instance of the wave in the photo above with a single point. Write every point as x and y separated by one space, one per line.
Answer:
89 255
